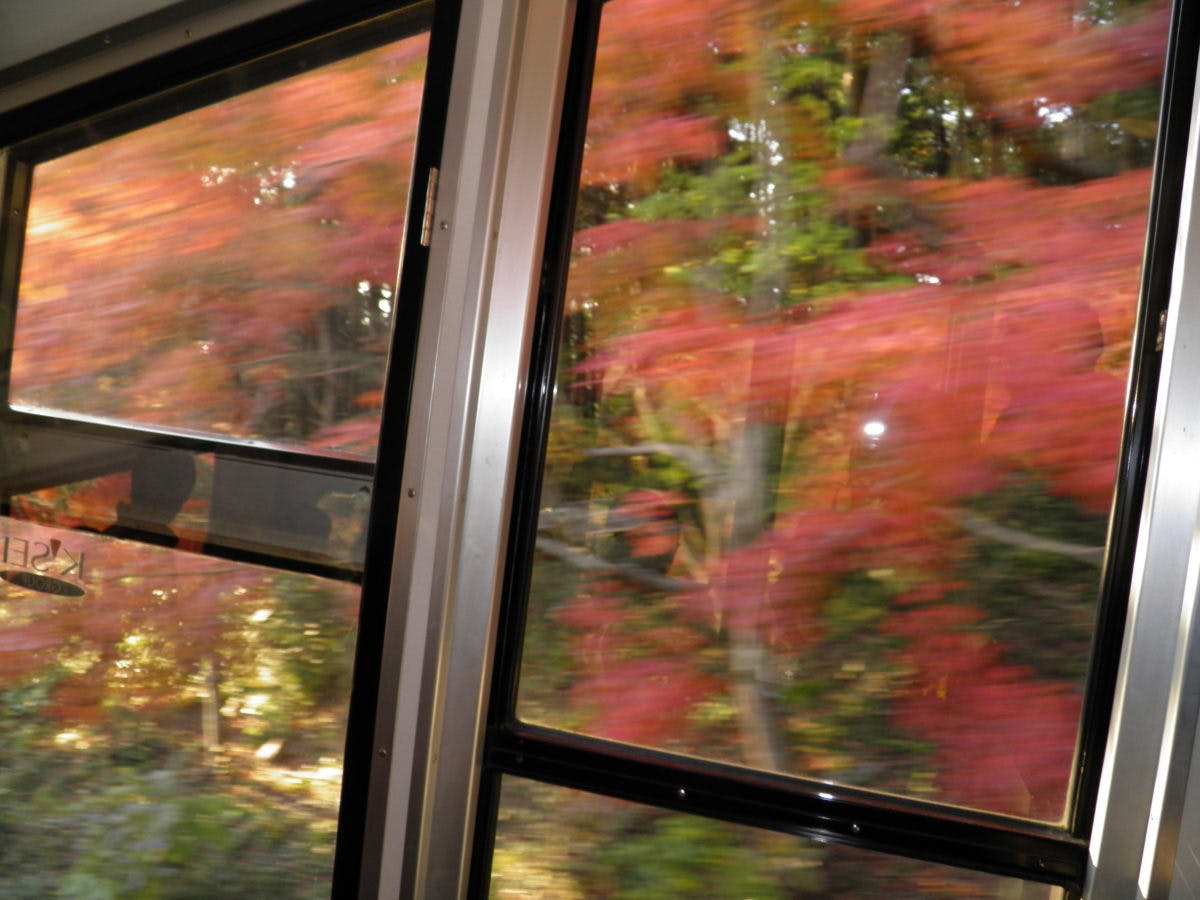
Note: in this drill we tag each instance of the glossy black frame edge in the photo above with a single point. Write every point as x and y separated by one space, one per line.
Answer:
274 34
15 183
393 435
535 428
511 745
822 812
1162 229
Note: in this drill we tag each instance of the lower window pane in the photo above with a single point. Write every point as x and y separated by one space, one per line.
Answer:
559 844
171 724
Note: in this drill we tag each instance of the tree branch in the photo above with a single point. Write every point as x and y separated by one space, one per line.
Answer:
1002 534
586 562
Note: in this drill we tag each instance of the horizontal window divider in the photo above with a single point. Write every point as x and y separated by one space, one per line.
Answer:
44 450
824 813
253 449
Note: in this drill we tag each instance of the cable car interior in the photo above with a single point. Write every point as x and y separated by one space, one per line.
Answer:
599 448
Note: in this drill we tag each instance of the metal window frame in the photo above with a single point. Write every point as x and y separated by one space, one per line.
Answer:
981 841
471 380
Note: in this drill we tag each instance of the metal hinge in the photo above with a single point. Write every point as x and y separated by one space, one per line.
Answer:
430 199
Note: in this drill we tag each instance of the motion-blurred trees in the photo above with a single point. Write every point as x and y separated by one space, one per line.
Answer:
247 251
841 388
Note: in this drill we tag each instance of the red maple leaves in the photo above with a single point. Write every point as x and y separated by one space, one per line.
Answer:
979 340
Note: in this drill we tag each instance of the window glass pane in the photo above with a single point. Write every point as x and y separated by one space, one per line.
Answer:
840 390
248 249
177 622
561 844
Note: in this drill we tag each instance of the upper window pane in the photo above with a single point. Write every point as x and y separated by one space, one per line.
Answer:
841 387
248 250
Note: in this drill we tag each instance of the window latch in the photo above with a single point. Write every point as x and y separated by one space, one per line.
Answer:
430 198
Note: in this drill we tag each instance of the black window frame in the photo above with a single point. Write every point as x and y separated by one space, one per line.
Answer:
986 842
225 65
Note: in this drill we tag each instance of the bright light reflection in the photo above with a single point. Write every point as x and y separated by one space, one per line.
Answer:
252 704
874 429
1054 113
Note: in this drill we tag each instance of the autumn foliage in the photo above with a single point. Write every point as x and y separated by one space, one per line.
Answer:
847 331
841 385
248 250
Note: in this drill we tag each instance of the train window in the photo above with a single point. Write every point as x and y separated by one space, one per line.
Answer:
197 318
843 336
248 248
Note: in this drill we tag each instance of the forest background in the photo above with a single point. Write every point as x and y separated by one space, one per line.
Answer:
840 393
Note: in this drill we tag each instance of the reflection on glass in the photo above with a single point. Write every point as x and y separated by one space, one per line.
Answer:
248 250
558 844
268 512
840 387
174 677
